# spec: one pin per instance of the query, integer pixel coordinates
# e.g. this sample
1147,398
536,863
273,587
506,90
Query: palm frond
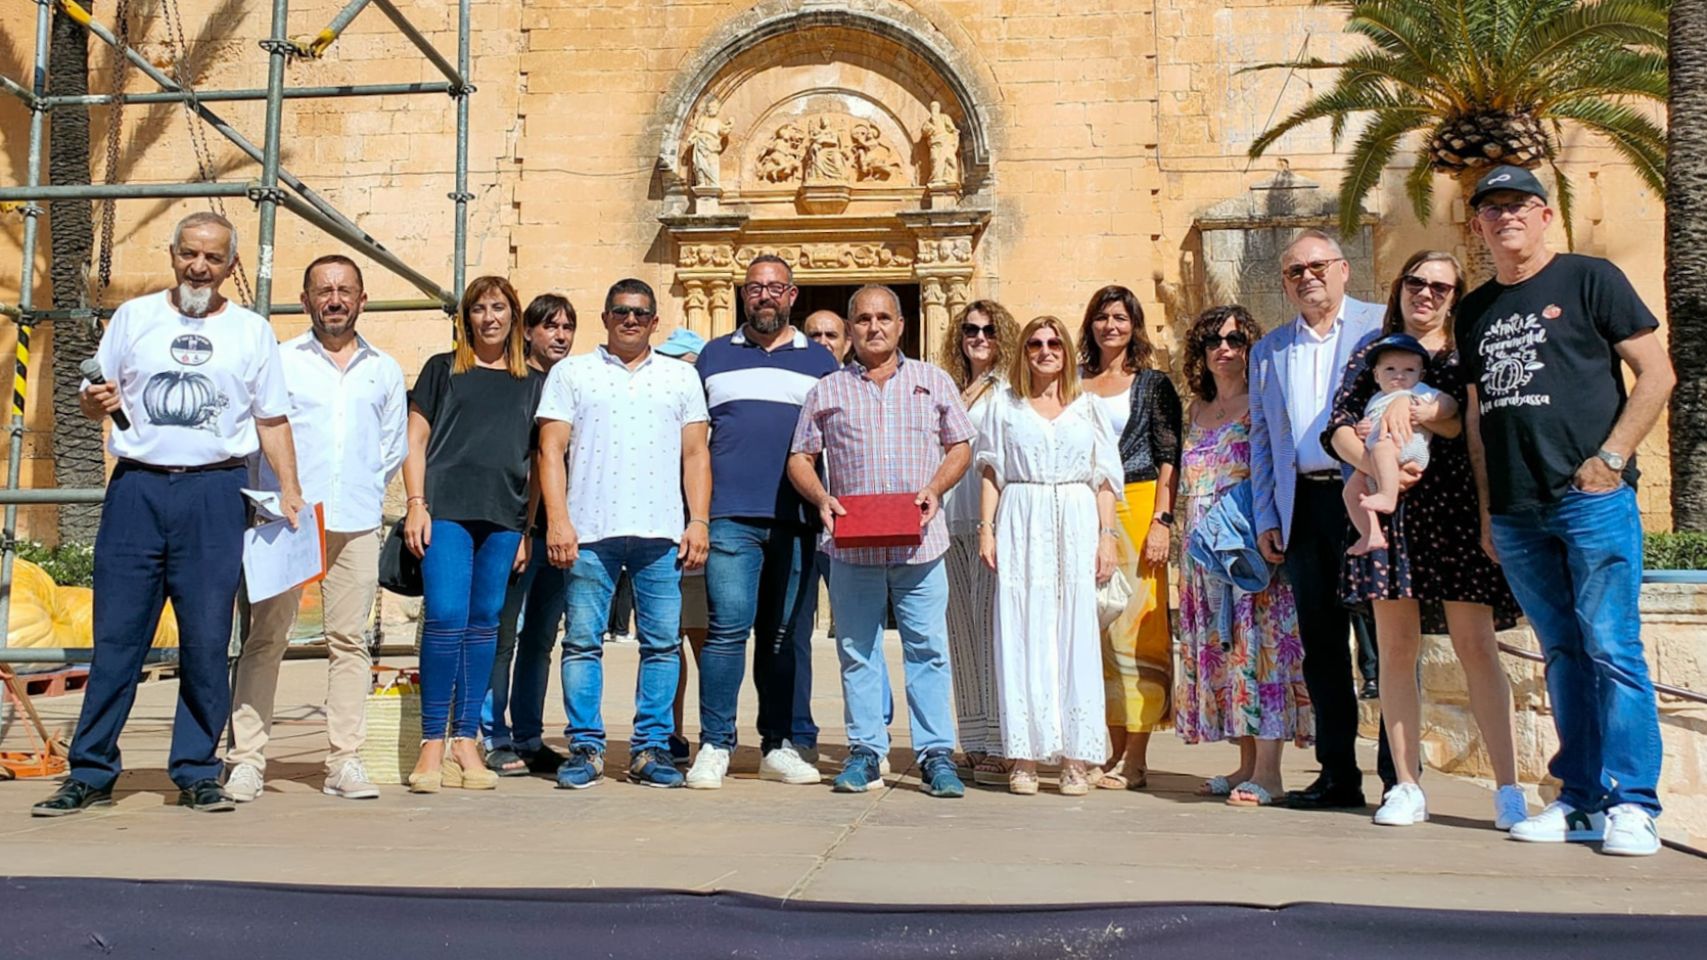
1639,139
1369,157
1419,185
1333,103
1566,195
1641,24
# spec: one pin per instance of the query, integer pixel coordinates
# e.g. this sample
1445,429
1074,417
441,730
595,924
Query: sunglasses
1038,346
1492,212
1319,268
970,330
1236,340
1416,284
638,313
760,289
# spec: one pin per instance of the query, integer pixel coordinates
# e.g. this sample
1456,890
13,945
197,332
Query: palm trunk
1478,263
77,456
1686,262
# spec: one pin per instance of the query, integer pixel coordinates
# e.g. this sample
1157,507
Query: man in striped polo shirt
763,538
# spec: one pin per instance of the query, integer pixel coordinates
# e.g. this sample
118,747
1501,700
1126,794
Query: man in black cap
1553,435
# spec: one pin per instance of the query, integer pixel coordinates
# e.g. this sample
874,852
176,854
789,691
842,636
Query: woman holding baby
1431,574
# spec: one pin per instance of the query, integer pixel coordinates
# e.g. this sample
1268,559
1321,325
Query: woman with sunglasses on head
1432,576
1049,471
1241,663
973,352
470,490
1143,408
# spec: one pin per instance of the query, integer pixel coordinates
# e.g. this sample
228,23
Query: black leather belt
232,463
1323,476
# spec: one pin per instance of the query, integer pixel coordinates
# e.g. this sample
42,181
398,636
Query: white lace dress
1048,652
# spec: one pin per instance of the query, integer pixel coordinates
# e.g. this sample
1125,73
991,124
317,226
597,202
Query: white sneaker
1403,806
883,767
244,782
1511,807
351,782
709,768
1630,832
1560,823
786,765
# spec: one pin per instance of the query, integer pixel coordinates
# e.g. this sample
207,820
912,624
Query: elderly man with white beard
200,380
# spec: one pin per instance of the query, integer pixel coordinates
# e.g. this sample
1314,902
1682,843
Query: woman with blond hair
470,490
1050,475
973,352
1143,408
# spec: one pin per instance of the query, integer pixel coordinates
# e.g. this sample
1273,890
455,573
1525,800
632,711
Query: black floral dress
1434,538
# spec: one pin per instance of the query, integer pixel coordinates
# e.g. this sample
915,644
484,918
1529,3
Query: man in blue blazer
1295,371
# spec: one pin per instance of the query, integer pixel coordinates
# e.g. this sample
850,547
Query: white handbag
1113,598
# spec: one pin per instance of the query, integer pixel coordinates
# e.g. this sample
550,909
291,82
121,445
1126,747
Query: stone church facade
1022,150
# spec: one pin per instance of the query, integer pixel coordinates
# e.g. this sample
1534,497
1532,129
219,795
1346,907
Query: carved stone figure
874,159
781,161
827,161
710,134
942,147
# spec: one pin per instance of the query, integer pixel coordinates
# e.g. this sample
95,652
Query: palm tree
1686,263
1487,82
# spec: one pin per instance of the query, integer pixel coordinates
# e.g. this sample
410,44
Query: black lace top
1152,433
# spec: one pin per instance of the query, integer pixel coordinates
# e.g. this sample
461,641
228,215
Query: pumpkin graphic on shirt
178,398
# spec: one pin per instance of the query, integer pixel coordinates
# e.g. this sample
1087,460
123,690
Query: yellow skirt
1137,649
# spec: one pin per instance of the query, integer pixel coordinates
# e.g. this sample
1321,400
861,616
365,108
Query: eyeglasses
1416,284
970,330
1493,212
638,313
1053,344
1319,268
1236,340
760,289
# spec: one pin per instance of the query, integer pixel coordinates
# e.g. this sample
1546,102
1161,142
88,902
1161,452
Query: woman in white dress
974,351
1050,474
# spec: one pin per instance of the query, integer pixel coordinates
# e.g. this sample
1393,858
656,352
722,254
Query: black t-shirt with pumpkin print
1549,383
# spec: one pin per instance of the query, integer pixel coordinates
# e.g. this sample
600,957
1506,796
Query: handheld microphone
91,370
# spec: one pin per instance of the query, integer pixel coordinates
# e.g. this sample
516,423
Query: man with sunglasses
1301,522
1553,435
763,537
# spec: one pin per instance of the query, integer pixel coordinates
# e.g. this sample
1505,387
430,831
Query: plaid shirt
887,438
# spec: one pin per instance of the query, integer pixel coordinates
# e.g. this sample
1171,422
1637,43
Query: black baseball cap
1507,177
1395,341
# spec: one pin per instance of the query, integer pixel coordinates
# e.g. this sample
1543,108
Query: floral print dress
1250,684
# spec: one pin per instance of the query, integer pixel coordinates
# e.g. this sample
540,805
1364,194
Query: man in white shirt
199,379
634,427
349,417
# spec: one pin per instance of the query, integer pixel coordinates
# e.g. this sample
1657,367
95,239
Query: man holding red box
895,436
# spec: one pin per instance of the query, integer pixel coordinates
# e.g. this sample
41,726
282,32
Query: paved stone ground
891,846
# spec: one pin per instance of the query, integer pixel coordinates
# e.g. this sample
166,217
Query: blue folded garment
1224,544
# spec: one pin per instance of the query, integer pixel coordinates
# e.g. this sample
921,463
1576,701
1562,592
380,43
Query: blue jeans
1576,568
463,575
527,630
657,577
755,583
920,595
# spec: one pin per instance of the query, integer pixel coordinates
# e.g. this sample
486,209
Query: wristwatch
1611,459
1165,518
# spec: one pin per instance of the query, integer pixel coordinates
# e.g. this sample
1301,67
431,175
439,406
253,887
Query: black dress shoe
1371,691
73,796
206,796
1327,794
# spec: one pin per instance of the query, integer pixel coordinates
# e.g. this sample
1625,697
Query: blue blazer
1274,472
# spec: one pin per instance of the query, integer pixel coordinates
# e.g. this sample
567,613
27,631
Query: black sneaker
206,796
73,796
1371,691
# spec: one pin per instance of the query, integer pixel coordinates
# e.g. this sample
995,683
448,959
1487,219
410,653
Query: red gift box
879,520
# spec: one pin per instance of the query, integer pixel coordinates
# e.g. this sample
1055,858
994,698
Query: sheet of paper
268,504
277,558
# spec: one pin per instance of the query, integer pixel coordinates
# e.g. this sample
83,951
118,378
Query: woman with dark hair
470,490
1432,576
974,351
1143,408
1241,663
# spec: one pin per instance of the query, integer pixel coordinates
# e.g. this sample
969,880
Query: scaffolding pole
326,37
124,191
268,195
459,265
257,93
458,78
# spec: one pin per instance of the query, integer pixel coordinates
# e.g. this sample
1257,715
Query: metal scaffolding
275,187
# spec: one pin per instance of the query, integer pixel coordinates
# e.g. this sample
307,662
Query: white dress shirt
350,427
625,441
1312,380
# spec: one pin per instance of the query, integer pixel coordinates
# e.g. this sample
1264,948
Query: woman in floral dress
1247,687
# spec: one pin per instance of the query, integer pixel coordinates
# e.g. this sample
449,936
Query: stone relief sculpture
781,161
710,134
827,160
942,147
874,159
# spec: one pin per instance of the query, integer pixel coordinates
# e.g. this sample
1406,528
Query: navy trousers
176,536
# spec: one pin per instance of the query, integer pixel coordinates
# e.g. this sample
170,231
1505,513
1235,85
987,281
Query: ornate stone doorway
834,297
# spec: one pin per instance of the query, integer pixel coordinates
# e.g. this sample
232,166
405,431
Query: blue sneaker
859,772
652,768
939,776
583,768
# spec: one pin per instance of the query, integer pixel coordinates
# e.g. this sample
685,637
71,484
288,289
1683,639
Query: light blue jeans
657,578
1576,569
920,595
